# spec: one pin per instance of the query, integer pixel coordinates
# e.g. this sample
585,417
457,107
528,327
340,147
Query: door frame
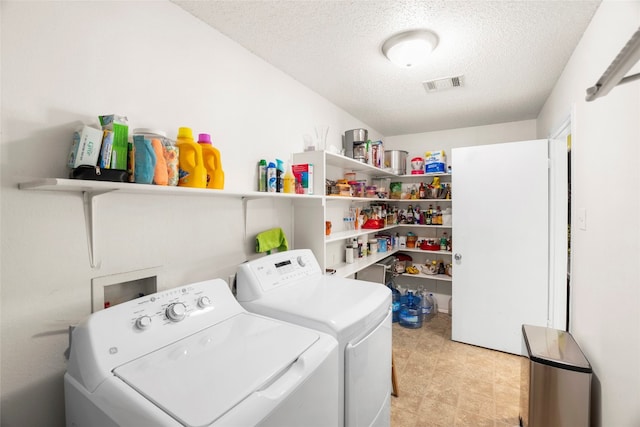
559,205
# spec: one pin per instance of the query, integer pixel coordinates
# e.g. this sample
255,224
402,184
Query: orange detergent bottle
192,172
212,162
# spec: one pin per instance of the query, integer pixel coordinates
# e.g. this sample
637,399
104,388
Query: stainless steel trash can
555,388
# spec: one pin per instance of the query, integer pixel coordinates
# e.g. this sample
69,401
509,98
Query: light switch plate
582,218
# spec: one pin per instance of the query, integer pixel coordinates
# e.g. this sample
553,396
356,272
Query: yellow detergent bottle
192,171
212,162
289,181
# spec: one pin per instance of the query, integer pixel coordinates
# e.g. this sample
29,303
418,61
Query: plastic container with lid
192,170
212,162
145,160
161,146
373,246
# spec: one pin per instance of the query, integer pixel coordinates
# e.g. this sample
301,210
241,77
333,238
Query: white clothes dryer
290,286
192,356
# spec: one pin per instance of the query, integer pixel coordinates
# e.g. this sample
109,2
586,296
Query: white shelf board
422,226
343,269
356,166
355,199
377,199
422,175
422,251
78,185
416,201
342,235
441,277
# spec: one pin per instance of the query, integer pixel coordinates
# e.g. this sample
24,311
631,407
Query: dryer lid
199,378
327,303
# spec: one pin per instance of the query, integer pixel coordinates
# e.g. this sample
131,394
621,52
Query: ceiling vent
444,83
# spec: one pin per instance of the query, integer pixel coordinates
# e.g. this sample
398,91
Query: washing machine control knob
301,262
204,302
176,311
143,322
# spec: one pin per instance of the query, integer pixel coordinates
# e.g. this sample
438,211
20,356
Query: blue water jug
395,305
410,311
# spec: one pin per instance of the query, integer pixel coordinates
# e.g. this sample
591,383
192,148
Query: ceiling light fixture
410,48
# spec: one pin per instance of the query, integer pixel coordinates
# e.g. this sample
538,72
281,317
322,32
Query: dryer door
367,377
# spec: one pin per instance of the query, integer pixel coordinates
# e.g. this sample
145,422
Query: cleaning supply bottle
212,162
271,177
204,140
262,175
192,170
279,175
289,181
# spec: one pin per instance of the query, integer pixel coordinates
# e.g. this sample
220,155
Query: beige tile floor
446,383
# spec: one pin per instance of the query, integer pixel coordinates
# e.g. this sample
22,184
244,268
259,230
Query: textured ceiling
510,52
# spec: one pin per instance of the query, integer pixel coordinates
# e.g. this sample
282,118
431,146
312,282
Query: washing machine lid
327,303
199,378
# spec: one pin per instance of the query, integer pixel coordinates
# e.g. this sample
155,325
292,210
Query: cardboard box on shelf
304,177
86,147
105,152
120,146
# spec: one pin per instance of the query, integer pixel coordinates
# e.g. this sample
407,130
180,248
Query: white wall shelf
422,251
441,277
342,235
343,269
92,189
356,166
378,199
422,226
421,175
101,187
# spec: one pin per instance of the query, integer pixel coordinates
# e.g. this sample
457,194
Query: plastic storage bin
555,388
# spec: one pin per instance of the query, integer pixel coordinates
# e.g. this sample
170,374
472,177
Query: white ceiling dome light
410,48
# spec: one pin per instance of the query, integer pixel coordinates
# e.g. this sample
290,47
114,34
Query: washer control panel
172,306
126,331
280,269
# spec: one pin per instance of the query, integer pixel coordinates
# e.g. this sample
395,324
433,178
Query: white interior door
501,237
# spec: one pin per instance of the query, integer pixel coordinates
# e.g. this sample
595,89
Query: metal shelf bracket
89,203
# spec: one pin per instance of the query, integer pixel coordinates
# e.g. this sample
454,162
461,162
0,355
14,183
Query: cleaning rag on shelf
271,239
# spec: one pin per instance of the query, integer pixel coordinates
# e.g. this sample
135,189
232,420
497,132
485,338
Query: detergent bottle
192,170
212,162
289,181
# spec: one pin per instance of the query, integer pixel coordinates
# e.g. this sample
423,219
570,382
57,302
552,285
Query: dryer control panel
264,274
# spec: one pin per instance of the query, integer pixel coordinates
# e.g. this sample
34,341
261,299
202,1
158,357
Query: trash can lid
555,348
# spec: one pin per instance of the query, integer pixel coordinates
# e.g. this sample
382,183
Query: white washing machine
192,356
290,286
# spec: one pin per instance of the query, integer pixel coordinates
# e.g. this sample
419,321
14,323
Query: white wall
64,63
417,143
605,300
